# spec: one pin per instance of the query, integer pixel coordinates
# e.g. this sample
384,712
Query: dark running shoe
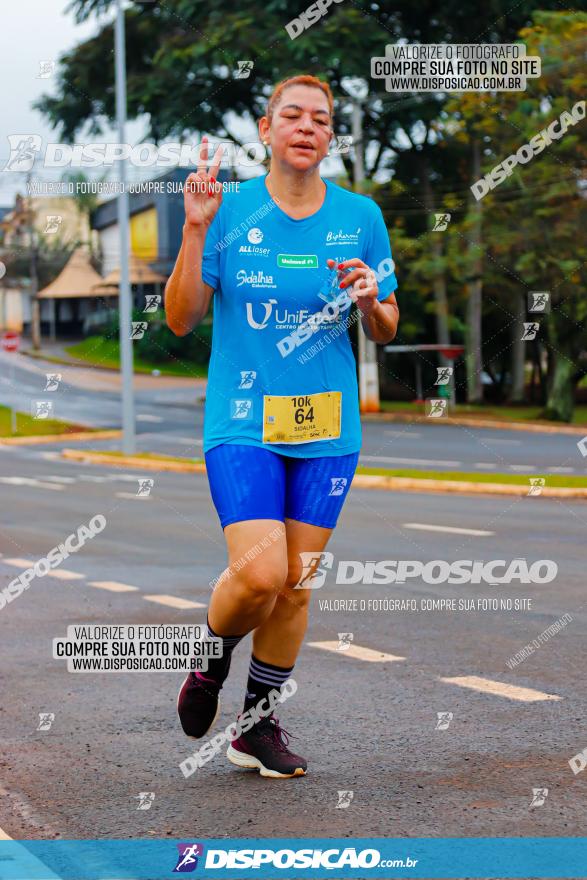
197,704
264,748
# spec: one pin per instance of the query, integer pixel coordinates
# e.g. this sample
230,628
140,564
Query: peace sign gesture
202,194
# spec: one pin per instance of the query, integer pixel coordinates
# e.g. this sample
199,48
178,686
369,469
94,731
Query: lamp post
124,301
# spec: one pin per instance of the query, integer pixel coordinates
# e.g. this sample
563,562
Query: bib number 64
303,410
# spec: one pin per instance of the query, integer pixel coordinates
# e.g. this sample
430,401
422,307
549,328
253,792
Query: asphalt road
367,724
170,420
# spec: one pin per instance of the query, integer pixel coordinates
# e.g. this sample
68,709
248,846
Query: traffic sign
10,340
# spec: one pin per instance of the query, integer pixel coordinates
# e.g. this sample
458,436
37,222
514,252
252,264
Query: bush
159,345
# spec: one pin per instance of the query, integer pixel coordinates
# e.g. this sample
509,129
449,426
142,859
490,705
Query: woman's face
300,128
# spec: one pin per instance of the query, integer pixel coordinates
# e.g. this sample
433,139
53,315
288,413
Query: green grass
26,426
500,413
554,480
100,352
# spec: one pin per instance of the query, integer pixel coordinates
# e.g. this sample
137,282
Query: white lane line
28,481
52,479
357,652
134,496
113,586
145,417
62,574
173,601
92,478
507,442
19,563
393,460
522,467
561,470
484,464
452,530
500,689
403,434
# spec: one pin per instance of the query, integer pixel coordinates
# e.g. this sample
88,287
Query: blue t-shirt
280,326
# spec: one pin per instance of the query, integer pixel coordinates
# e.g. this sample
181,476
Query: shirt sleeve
212,251
378,256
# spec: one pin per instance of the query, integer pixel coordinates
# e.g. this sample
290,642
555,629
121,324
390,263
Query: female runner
284,257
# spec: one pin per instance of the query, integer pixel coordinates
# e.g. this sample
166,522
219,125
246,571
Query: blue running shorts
251,482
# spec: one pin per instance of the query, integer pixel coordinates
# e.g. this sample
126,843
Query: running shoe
197,704
264,748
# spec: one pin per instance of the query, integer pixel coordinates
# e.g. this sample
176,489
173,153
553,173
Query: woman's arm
187,296
381,324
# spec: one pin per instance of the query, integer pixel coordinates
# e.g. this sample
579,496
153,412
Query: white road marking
173,601
28,481
20,563
500,689
522,467
62,574
92,478
113,586
393,460
452,530
52,479
126,478
133,495
484,464
403,434
146,417
561,470
498,440
357,652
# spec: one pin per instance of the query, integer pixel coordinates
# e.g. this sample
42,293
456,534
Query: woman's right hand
202,195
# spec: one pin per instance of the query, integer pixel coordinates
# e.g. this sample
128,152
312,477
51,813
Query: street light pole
124,301
368,370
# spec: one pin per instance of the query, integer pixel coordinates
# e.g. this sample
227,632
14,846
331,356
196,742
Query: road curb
532,427
58,438
360,481
146,464
460,487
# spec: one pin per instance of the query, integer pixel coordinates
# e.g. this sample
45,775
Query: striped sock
218,666
263,678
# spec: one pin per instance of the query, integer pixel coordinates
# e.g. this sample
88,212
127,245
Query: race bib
303,419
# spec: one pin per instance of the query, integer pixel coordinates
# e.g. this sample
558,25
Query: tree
532,220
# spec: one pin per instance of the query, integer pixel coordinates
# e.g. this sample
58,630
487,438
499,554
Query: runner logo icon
188,857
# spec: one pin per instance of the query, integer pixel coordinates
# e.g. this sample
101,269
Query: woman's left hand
364,289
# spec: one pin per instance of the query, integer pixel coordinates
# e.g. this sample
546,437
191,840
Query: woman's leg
279,638
246,592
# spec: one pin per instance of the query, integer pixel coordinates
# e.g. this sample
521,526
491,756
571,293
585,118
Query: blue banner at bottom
462,857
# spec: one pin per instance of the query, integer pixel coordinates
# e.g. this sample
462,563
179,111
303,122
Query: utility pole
124,300
368,369
34,288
